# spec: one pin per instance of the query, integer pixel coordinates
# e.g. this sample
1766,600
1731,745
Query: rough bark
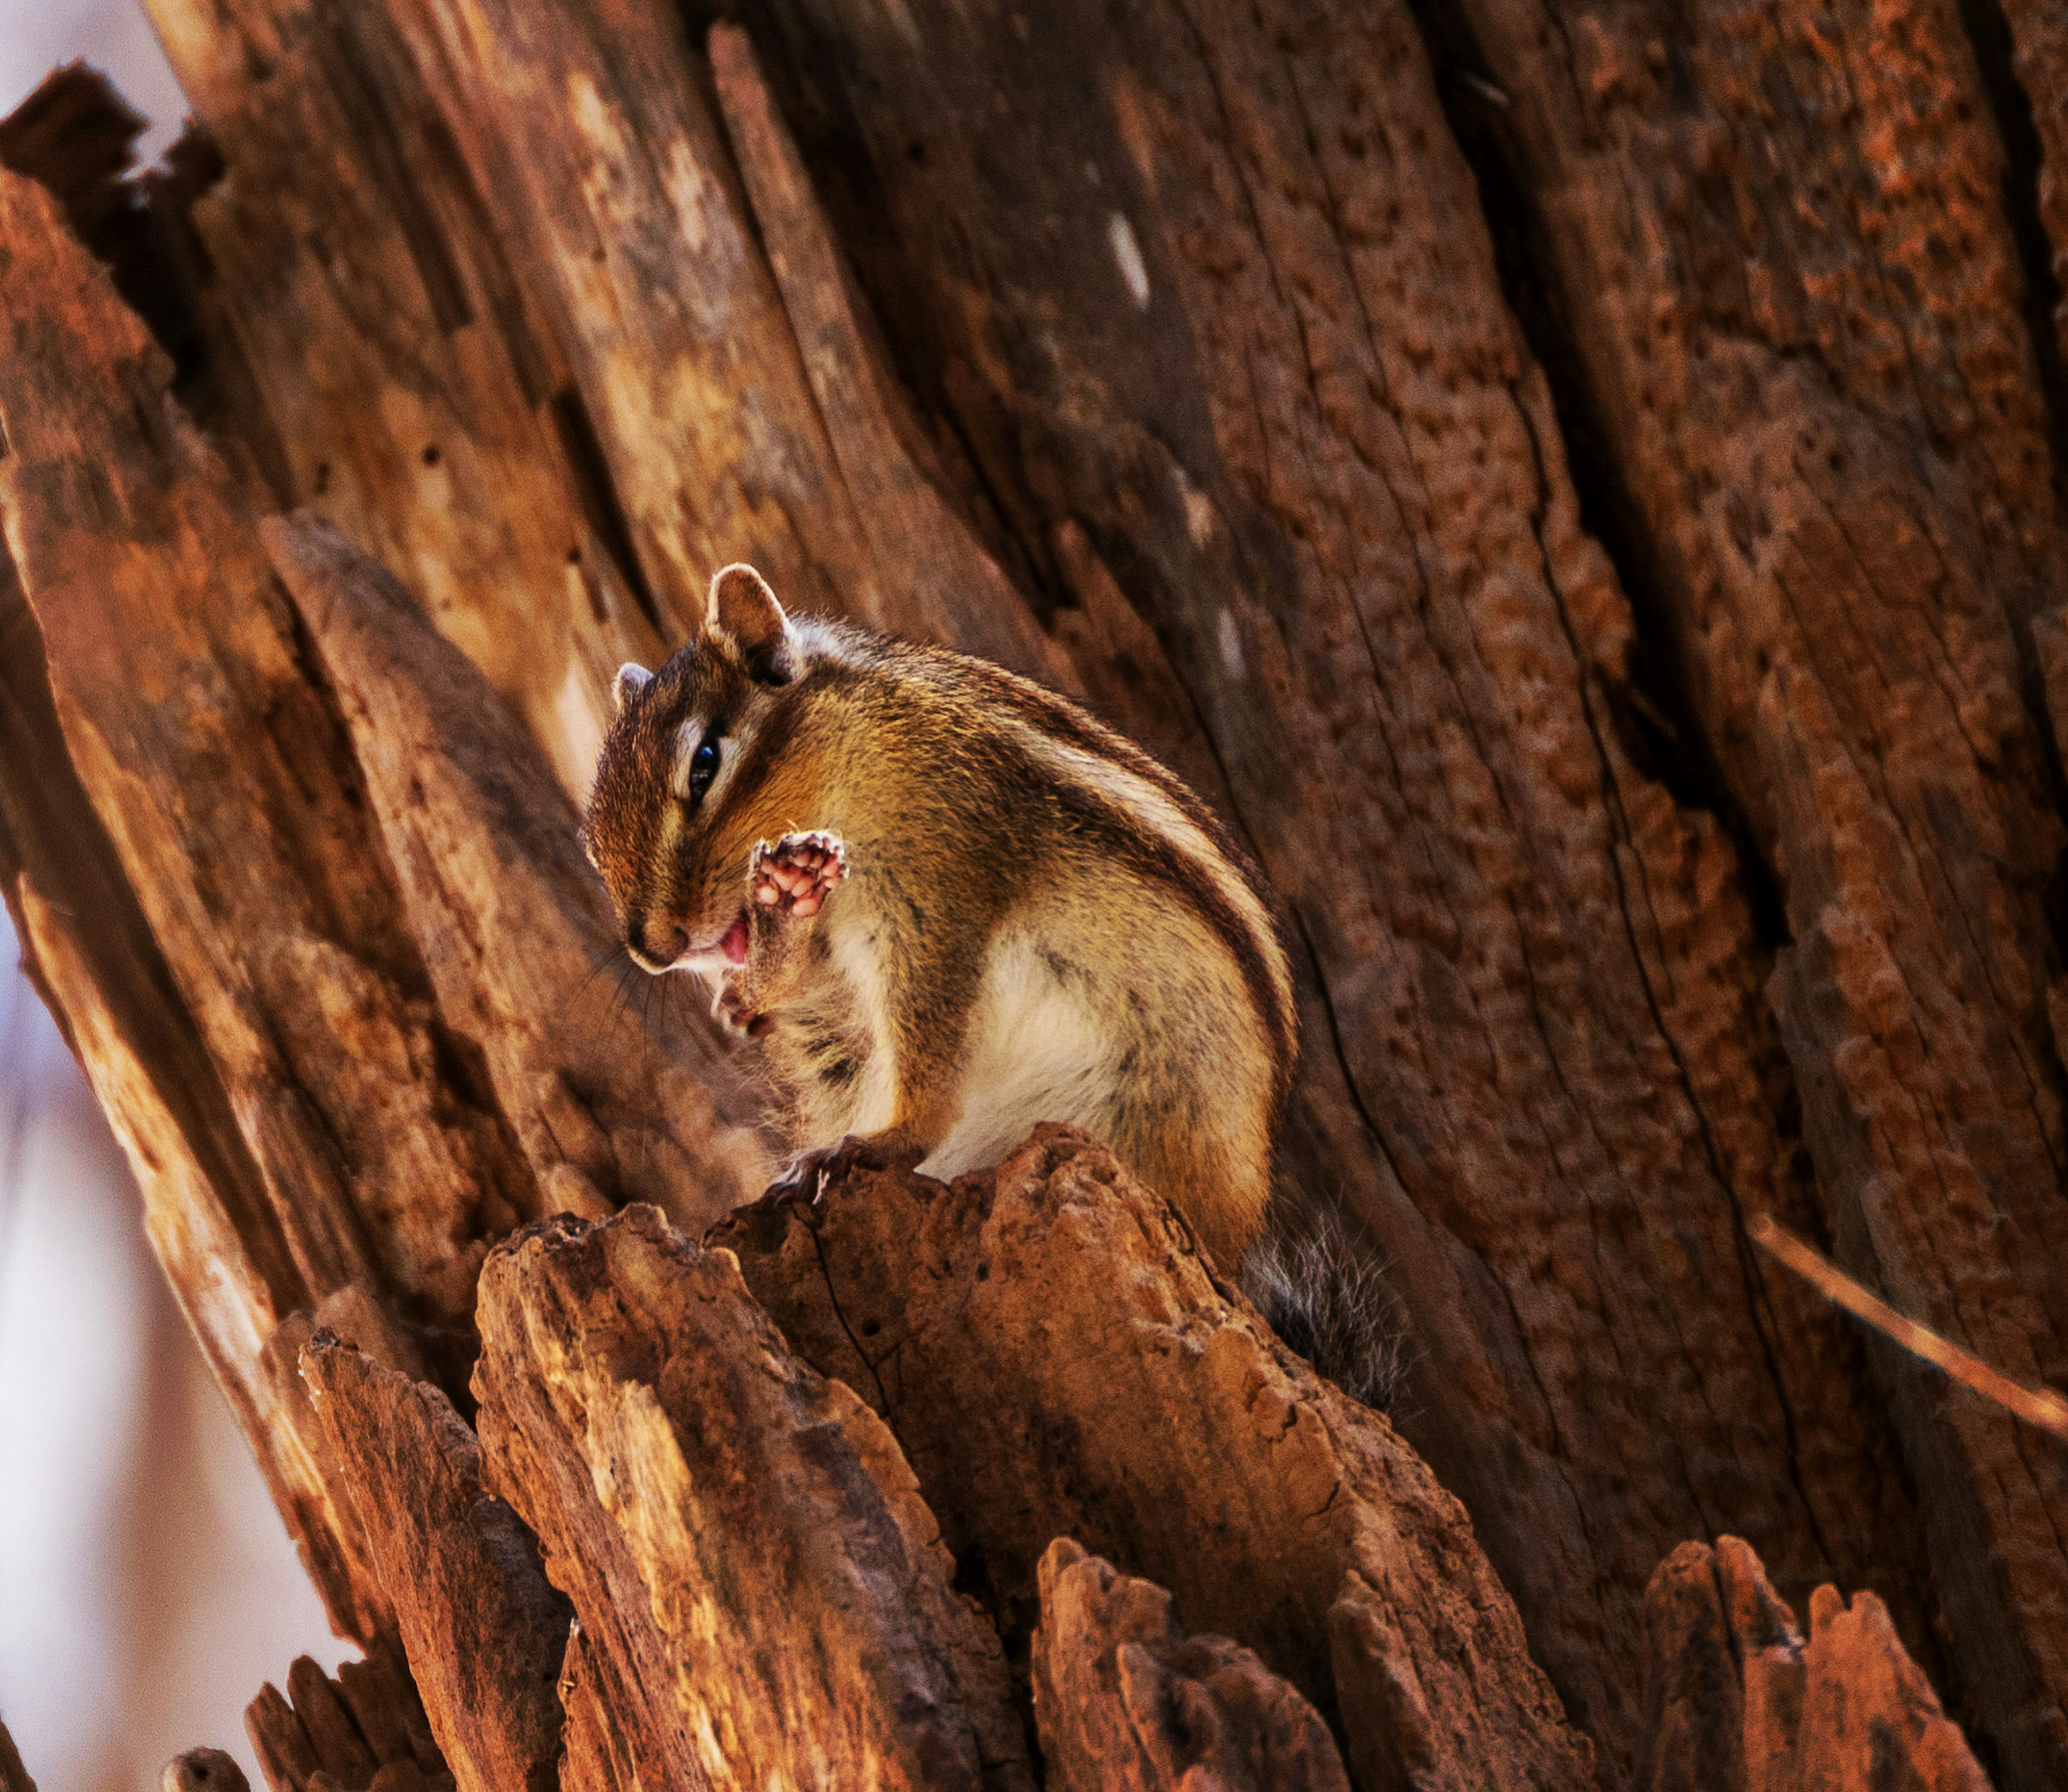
519,940
1181,354
364,1731
1735,1698
762,1594
1057,1357
1795,313
483,1631
373,267
359,1151
1221,293
232,797
1127,1699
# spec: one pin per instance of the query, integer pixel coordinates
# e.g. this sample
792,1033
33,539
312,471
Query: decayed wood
364,1731
76,136
1196,391
230,793
87,943
701,408
690,425
1737,1702
202,1770
483,1631
373,267
598,1755
941,584
1794,307
445,227
518,937
1126,1700
363,1152
762,1594
1057,1357
1221,293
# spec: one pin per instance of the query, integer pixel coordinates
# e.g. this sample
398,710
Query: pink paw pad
795,875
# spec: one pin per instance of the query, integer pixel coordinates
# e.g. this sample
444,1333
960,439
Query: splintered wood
1314,1535
1260,372
517,936
1125,1699
1737,1700
747,1551
464,1575
364,1731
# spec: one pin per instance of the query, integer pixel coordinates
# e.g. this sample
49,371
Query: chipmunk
951,905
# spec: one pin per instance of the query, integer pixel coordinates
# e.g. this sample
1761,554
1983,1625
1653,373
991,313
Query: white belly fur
1036,1052
876,1095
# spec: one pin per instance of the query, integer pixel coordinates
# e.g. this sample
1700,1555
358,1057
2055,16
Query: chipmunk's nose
654,947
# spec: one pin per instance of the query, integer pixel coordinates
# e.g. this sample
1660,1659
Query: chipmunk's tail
1325,1293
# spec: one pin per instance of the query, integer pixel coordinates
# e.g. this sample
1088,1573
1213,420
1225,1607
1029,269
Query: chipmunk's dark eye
703,768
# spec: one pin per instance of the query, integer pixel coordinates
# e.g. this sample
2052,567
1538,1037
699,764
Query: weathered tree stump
1581,488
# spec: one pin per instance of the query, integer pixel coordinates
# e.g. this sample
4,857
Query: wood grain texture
230,793
1127,1699
87,946
1737,1700
362,1731
1057,1358
762,1594
368,1151
1796,315
482,1630
1273,374
1221,295
375,267
610,1103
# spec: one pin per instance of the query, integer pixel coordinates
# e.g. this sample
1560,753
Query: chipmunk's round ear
743,609
632,679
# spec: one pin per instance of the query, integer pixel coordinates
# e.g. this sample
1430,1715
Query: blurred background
147,1586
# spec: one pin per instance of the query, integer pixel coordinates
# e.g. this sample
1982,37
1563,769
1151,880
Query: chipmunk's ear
743,610
632,679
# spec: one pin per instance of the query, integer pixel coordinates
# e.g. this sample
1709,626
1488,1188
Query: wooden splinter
2037,1406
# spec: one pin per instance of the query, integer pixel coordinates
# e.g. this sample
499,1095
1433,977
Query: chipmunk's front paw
730,1009
794,875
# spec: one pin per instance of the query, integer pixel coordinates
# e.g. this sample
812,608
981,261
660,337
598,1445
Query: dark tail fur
1325,1294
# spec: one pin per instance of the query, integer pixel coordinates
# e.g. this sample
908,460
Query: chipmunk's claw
730,1009
810,1172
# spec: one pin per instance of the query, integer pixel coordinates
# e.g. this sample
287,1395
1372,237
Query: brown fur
998,911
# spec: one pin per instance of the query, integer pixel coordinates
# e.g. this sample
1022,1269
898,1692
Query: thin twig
2037,1406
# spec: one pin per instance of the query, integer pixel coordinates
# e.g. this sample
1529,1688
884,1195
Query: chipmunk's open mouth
714,955
733,945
